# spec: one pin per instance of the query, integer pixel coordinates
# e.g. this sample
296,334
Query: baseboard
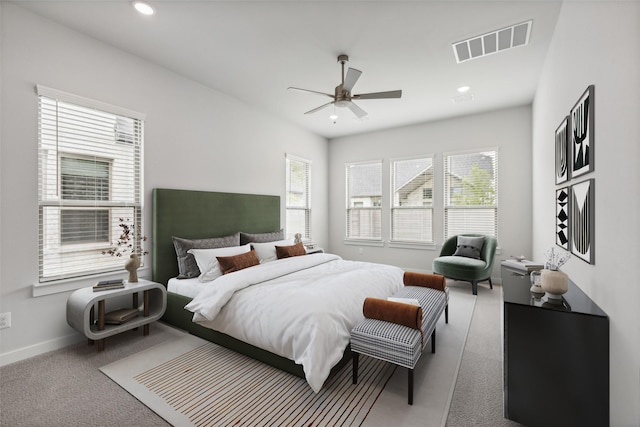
40,348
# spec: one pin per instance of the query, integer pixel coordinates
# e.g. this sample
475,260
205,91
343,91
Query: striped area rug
212,386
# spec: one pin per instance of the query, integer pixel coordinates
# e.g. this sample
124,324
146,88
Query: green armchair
464,268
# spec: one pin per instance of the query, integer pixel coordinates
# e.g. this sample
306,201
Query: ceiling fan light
463,89
143,8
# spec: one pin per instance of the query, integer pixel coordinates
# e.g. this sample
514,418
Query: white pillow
208,263
267,251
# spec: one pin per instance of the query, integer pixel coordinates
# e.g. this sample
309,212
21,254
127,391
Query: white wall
599,43
195,138
509,130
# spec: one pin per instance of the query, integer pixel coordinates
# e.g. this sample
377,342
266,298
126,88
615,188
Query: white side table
81,312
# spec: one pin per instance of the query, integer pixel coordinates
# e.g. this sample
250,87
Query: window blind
471,193
412,200
298,190
364,200
89,184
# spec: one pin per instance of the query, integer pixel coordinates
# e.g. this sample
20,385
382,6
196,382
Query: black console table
556,357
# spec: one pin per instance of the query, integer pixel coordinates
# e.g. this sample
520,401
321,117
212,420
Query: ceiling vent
493,42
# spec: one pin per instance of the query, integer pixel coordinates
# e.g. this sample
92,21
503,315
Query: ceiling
254,50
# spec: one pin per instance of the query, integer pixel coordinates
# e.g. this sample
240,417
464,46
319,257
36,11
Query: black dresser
556,357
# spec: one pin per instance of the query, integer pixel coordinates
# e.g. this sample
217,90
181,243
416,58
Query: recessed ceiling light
463,89
143,8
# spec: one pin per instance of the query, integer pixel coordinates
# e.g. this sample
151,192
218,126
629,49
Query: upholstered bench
397,332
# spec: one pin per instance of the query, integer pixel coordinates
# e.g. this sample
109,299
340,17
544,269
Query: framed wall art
562,151
562,218
582,120
582,212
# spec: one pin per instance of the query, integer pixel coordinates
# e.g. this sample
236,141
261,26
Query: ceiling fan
342,96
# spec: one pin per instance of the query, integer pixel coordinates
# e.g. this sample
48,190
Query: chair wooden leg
490,284
410,385
355,367
474,287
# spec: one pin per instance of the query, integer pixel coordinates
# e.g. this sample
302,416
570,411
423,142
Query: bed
198,214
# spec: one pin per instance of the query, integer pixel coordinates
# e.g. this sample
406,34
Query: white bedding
302,308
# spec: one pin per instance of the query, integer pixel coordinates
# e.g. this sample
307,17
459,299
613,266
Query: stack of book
523,265
105,285
120,316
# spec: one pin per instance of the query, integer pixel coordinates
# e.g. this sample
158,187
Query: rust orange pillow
229,264
289,251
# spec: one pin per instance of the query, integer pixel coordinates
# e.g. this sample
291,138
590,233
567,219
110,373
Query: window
89,182
471,193
298,175
364,200
412,200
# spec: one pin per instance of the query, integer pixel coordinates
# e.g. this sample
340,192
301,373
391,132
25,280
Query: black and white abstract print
562,218
582,135
562,151
582,220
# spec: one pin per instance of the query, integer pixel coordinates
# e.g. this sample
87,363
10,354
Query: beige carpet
190,382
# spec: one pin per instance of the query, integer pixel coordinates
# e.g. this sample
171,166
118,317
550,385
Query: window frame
428,209
377,202
306,208
61,118
448,206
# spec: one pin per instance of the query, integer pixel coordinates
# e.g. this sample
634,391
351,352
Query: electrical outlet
360,251
5,320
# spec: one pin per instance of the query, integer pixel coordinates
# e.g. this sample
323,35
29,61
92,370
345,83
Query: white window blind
298,173
471,193
412,200
364,200
89,183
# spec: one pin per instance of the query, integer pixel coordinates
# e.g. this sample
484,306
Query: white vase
132,267
555,283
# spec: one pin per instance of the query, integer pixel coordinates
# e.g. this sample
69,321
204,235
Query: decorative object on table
524,265
582,133
535,278
120,316
583,220
105,285
297,238
130,240
562,218
562,151
554,282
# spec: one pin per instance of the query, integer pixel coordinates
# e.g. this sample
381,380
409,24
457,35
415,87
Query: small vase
132,267
555,283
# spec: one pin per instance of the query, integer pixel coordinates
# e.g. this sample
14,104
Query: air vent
493,42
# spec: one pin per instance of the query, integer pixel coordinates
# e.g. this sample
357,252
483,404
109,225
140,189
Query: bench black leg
355,367
446,313
433,341
410,382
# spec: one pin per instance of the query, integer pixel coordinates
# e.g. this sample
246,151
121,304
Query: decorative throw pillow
187,266
208,262
267,251
289,251
229,264
261,237
469,247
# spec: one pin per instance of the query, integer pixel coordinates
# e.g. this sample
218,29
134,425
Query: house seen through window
364,200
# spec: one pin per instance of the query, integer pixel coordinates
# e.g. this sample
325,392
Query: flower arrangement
556,258
129,241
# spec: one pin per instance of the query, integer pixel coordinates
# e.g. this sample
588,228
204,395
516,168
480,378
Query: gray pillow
469,247
261,237
187,267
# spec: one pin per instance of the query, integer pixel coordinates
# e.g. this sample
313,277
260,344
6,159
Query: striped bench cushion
395,343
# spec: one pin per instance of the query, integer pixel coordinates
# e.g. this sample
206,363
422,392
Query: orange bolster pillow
434,281
395,312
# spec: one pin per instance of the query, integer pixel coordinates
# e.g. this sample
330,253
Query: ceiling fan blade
379,95
319,108
312,91
350,79
357,110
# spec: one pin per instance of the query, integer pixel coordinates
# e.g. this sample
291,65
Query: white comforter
302,308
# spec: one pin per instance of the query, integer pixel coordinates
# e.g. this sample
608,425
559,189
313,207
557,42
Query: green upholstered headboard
201,214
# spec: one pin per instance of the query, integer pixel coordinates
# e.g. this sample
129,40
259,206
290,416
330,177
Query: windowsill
68,285
413,245
356,242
